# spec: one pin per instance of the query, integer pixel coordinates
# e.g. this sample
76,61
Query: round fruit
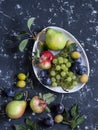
48,121
82,69
15,109
58,118
79,60
38,105
84,78
21,84
75,55
46,81
43,73
21,76
55,40
59,108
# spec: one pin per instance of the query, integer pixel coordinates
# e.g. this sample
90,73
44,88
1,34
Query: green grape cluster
60,73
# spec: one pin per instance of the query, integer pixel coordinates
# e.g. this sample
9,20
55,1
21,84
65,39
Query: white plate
69,36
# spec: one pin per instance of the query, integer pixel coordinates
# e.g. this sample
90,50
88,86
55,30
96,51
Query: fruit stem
35,37
26,95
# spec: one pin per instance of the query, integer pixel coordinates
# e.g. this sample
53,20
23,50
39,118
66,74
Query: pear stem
35,37
26,95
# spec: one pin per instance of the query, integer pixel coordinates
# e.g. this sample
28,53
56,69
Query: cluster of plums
59,109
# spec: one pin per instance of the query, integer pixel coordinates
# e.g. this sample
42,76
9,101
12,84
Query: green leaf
49,97
40,95
21,34
47,109
74,124
65,116
23,44
18,95
77,122
30,22
72,47
31,125
19,127
74,110
80,120
42,46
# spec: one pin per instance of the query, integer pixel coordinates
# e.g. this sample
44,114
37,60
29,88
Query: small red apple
37,104
46,60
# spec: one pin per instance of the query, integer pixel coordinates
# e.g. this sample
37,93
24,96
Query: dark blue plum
78,68
48,121
46,81
79,60
43,73
60,108
78,49
8,92
82,69
75,67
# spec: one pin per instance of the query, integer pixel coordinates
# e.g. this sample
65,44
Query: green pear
55,40
15,109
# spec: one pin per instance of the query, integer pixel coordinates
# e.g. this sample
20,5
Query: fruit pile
64,69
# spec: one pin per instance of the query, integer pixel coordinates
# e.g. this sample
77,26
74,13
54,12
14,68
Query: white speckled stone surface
79,17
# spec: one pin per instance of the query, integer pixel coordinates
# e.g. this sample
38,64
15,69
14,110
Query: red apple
38,105
46,60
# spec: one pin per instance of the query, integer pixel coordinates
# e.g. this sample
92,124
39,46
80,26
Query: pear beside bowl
69,36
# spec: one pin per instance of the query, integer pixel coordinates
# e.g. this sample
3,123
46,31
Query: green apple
15,109
55,40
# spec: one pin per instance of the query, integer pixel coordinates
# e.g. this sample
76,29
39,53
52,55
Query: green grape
74,77
54,84
65,60
69,79
52,73
65,69
68,64
57,67
70,74
63,73
54,61
53,79
60,60
63,66
58,76
74,83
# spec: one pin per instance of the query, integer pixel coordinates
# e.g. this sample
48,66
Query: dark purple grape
79,60
43,73
78,68
82,69
60,108
78,49
48,121
75,67
46,81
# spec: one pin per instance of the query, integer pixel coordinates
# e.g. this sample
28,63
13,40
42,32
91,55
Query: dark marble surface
80,17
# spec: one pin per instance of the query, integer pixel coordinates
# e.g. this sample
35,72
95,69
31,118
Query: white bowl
85,62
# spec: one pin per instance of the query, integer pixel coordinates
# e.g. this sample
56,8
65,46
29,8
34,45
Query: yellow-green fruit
68,43
15,109
55,40
21,76
58,118
75,55
21,84
84,78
